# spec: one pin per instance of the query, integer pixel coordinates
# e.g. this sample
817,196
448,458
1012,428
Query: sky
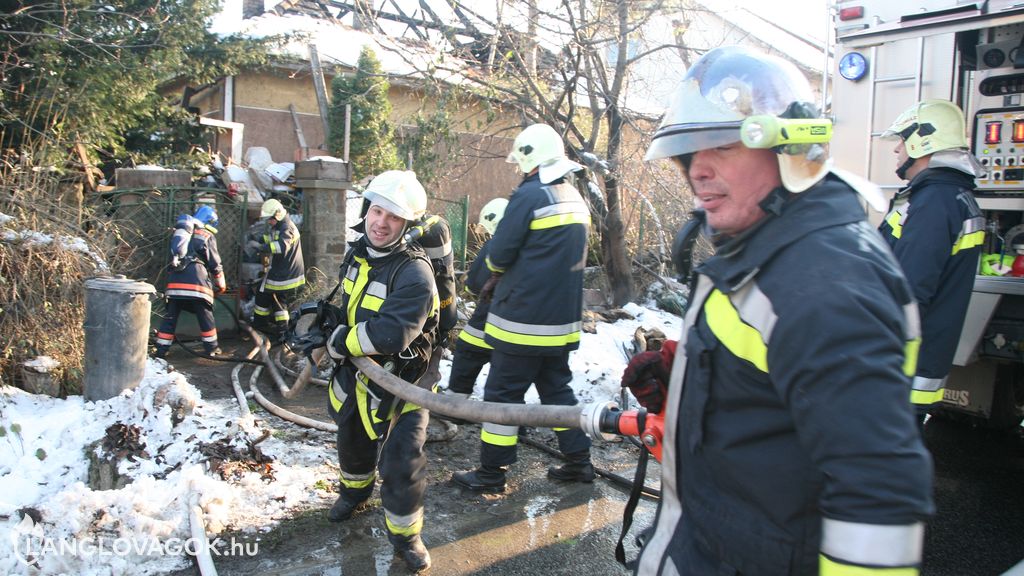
144,527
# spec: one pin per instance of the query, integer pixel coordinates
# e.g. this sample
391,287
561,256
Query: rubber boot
578,468
490,479
343,509
411,550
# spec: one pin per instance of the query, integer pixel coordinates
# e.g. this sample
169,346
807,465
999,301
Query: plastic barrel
117,312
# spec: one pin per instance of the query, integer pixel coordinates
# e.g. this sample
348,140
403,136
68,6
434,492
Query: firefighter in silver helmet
936,230
790,447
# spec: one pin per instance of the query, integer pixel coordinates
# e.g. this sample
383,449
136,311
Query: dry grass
45,257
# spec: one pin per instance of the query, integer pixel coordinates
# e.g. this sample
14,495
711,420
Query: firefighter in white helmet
936,231
391,308
471,351
536,260
287,273
789,444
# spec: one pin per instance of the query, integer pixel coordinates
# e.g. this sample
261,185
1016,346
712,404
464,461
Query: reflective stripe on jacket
936,231
790,446
540,247
287,271
385,322
473,332
197,279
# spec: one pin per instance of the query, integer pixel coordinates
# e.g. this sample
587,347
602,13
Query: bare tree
567,63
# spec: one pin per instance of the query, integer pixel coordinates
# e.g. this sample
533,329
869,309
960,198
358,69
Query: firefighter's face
730,182
901,159
382,227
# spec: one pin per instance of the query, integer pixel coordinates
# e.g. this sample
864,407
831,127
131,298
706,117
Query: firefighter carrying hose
790,447
936,231
391,310
536,259
286,275
193,275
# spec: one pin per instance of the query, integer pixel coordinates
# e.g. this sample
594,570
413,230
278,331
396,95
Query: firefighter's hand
222,288
487,292
647,376
336,343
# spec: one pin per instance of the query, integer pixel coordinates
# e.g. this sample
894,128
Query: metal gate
456,212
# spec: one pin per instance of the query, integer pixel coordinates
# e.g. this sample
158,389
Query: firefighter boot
343,509
578,468
490,479
411,550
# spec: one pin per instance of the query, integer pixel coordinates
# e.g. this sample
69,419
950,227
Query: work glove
487,292
647,376
336,343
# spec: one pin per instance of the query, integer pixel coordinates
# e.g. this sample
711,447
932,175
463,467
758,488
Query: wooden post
321,92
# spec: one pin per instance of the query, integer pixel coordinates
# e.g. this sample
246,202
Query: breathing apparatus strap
634,496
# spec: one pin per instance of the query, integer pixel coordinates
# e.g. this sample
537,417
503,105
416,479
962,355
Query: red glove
487,292
647,376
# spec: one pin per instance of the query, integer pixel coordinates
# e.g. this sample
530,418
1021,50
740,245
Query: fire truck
888,55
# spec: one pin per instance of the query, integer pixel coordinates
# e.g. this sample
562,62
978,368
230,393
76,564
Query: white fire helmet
398,192
538,145
273,209
491,214
724,87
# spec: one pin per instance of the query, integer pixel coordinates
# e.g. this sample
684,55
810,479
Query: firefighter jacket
789,441
936,231
199,272
287,270
473,332
540,247
391,308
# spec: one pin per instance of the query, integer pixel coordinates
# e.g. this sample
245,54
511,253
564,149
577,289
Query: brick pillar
324,187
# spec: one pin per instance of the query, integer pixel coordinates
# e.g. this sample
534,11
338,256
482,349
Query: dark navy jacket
540,246
936,231
199,272
789,436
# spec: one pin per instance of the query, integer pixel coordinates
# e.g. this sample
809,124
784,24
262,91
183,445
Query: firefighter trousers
270,315
402,463
204,314
508,380
466,366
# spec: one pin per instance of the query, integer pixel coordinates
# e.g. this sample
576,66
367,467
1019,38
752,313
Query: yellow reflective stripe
829,567
925,397
352,344
412,530
358,287
498,439
530,339
492,267
260,311
473,339
893,220
372,302
357,481
910,351
285,284
364,411
559,429
333,396
740,338
557,220
969,241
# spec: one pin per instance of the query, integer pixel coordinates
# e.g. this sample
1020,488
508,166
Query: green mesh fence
456,212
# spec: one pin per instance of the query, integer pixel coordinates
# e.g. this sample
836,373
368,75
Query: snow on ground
143,528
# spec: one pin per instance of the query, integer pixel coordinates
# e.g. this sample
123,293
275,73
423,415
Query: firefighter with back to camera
790,446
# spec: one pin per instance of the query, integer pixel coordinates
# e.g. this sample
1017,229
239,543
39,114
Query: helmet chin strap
902,170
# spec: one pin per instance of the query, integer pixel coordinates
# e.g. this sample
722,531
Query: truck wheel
1007,398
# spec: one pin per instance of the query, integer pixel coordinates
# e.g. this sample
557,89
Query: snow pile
55,523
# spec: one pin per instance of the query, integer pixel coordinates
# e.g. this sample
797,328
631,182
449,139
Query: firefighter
391,307
471,351
194,274
936,231
536,260
789,444
286,275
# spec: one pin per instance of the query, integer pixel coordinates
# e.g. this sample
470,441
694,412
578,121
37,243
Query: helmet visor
679,139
